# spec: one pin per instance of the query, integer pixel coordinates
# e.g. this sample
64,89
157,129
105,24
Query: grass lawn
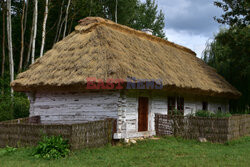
164,152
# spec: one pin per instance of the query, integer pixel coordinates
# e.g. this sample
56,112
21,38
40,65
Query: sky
190,23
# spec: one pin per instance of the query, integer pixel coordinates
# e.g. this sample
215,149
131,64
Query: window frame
180,104
205,105
171,104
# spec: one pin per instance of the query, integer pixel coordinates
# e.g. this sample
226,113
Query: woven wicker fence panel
213,129
91,134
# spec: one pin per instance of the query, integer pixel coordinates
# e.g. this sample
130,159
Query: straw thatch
103,49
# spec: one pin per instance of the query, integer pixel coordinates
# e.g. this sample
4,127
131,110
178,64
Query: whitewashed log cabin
56,83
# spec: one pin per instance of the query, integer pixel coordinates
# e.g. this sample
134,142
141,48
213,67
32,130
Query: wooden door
143,114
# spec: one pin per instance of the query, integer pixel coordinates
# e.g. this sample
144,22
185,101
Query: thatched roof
103,49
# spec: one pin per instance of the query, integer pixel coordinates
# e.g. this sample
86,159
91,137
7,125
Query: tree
237,12
10,49
116,4
35,31
149,18
3,38
3,45
59,22
22,37
66,19
44,27
228,53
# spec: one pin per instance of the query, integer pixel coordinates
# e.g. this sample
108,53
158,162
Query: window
171,105
180,105
219,108
204,105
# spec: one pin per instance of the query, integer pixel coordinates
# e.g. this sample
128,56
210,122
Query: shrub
203,113
53,147
218,114
176,112
6,112
18,107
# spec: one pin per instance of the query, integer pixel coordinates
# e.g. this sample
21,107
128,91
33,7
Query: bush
52,148
218,114
176,112
6,111
203,113
18,107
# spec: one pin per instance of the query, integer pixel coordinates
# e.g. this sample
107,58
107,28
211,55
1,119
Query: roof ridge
89,23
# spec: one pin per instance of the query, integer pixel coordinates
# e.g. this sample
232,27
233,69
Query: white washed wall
128,112
128,116
83,107
74,107
191,105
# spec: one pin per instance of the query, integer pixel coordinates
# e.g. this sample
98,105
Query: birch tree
3,44
22,38
66,19
35,31
3,40
59,22
116,4
9,35
44,27
30,45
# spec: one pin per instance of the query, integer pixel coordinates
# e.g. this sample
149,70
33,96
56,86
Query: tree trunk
9,34
24,30
22,39
44,28
25,17
59,21
116,4
30,45
35,32
66,19
60,29
3,44
31,37
90,7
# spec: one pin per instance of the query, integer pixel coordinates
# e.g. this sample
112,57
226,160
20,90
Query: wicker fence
28,132
213,129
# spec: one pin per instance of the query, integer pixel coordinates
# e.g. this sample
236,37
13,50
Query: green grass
164,152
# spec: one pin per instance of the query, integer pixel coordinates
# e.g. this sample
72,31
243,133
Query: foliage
218,114
228,53
6,110
54,147
204,113
237,12
176,112
18,107
167,151
8,150
148,17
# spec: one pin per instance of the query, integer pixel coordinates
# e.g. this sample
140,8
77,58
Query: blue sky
190,22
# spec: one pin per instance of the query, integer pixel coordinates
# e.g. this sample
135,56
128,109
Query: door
143,114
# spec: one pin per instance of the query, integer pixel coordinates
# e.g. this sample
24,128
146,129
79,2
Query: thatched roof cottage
101,50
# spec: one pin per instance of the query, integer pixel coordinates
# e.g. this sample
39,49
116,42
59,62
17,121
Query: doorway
143,114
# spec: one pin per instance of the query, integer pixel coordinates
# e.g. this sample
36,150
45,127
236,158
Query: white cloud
190,23
194,42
